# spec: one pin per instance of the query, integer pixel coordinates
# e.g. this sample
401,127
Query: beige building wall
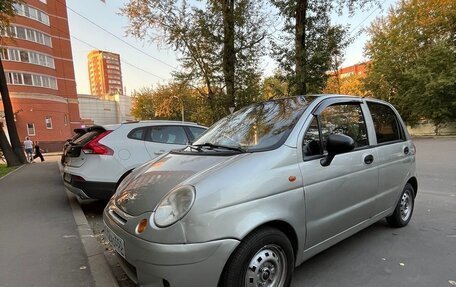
110,110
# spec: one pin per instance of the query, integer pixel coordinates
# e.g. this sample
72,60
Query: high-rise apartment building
38,63
105,73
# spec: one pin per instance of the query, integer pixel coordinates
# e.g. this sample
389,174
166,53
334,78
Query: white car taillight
95,147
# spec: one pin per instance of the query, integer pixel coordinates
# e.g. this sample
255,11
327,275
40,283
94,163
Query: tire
404,208
264,256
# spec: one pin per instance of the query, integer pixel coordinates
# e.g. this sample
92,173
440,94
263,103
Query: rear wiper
211,145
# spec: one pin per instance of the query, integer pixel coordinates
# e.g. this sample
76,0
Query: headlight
174,206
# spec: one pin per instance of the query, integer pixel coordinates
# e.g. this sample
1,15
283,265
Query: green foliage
165,102
413,52
4,169
275,86
317,41
7,11
218,49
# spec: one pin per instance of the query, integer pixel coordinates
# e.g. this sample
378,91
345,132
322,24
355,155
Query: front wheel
404,208
265,258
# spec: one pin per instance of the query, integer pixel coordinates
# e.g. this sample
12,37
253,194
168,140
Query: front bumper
173,265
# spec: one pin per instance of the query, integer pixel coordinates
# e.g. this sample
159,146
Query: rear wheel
265,258
404,208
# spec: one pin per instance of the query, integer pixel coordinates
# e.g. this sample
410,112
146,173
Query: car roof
161,122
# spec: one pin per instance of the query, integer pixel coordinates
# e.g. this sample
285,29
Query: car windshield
258,127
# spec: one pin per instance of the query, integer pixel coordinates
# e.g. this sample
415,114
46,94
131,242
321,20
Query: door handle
368,159
159,152
406,150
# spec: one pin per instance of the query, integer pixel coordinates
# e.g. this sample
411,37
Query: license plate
67,177
116,242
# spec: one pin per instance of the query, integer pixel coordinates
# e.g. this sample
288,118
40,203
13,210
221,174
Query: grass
4,170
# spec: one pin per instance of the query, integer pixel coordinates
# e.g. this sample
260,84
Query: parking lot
421,254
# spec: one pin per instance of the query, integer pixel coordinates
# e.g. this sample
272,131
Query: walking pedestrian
28,146
38,152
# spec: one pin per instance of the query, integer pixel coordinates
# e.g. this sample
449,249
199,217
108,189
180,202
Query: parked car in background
96,162
77,134
263,190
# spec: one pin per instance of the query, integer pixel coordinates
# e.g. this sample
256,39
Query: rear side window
167,134
196,132
87,137
386,124
137,134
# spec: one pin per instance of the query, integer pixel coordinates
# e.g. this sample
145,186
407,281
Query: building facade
105,73
112,109
357,69
36,54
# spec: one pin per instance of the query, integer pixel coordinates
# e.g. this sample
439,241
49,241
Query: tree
352,85
218,44
7,11
166,102
317,42
275,87
413,52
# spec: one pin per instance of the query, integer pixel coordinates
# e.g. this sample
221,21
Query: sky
143,63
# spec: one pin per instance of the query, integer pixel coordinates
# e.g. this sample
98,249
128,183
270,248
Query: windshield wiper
213,146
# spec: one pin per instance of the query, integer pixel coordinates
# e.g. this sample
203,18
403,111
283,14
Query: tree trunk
9,117
10,156
300,47
229,56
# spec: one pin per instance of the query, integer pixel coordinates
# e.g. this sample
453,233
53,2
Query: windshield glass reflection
257,127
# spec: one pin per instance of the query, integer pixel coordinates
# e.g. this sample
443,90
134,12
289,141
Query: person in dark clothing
38,152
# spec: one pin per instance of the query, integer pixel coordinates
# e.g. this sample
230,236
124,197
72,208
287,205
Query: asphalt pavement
39,240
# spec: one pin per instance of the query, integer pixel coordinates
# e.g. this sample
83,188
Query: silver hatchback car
263,190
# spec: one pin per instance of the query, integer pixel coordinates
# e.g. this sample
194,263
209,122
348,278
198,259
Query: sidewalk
39,240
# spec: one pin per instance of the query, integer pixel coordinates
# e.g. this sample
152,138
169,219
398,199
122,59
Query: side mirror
337,144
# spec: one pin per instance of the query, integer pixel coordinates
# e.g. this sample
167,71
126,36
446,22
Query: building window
32,13
112,67
25,56
27,79
48,122
65,119
27,34
31,129
44,1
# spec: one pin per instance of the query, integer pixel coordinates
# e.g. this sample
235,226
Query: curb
13,171
99,267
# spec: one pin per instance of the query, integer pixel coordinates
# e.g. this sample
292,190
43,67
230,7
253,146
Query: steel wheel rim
267,268
406,206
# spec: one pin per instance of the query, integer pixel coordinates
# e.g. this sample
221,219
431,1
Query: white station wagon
261,191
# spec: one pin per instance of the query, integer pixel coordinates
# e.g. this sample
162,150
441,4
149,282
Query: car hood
150,183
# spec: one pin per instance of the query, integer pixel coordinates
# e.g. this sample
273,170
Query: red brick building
105,73
38,63
357,69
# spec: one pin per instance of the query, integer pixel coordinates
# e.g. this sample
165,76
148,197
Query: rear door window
386,124
167,135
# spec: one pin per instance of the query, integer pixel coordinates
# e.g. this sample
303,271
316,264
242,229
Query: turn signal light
141,226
